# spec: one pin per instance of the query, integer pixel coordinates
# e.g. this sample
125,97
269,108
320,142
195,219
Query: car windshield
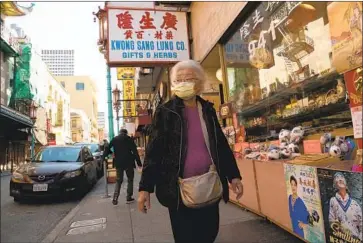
58,154
92,146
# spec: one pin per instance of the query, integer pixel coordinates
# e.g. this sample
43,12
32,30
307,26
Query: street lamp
33,116
117,105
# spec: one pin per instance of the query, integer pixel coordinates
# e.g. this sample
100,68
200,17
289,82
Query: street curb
52,236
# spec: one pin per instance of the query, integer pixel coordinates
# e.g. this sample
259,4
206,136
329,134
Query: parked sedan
97,154
54,171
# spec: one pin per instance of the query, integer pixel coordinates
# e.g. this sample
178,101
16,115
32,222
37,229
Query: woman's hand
143,202
302,225
237,187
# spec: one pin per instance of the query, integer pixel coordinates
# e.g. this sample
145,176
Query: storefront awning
14,119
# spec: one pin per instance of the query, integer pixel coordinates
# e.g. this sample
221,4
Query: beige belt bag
201,191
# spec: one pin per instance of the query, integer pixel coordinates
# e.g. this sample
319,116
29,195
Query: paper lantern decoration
300,17
262,58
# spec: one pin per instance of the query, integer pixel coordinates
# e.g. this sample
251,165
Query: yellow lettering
355,98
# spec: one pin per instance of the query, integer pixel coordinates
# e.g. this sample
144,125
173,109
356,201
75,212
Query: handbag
203,190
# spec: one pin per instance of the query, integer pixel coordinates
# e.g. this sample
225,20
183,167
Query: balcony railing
9,38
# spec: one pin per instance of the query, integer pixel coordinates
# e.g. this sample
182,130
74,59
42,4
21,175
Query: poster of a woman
341,194
304,202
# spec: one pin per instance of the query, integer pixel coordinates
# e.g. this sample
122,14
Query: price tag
357,121
312,147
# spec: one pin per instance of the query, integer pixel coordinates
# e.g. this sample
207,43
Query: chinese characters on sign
147,36
129,94
260,30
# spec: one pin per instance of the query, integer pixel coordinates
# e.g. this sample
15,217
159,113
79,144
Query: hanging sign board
139,37
125,73
129,94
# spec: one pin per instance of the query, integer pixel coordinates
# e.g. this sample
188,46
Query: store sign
354,83
59,121
305,207
341,200
125,73
147,36
345,21
129,94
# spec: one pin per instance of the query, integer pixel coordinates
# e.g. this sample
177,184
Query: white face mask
184,90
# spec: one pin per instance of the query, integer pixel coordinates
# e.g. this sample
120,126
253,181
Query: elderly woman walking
188,160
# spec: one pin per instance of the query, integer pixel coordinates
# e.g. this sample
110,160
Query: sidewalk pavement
95,219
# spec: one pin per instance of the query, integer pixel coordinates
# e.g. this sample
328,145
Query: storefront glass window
280,65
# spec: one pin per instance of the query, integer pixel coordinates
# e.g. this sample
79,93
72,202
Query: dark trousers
195,225
119,179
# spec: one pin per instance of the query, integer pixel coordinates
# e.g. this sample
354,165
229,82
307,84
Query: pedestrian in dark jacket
186,140
125,152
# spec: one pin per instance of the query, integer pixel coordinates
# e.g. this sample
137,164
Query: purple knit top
197,160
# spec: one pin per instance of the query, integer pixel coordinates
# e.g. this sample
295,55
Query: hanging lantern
116,96
33,111
300,17
262,58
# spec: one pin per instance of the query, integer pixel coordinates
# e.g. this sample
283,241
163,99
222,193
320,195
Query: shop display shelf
285,94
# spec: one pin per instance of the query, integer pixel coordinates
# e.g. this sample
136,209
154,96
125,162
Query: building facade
58,112
81,126
83,95
60,62
101,119
15,121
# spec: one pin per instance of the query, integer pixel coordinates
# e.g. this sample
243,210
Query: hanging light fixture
116,96
33,111
219,75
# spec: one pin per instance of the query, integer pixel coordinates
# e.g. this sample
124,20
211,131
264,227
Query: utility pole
110,126
109,102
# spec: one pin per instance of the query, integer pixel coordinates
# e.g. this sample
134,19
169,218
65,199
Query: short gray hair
188,64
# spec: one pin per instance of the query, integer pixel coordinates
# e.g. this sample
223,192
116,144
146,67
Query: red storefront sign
354,83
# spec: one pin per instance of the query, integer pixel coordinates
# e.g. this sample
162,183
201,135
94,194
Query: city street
52,221
30,221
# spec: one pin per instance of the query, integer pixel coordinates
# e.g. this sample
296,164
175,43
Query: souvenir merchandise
325,138
273,154
283,145
247,150
335,151
293,148
284,136
253,155
338,140
341,90
285,153
296,135
344,147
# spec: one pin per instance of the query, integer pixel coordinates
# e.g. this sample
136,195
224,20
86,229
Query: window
74,137
79,86
74,123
